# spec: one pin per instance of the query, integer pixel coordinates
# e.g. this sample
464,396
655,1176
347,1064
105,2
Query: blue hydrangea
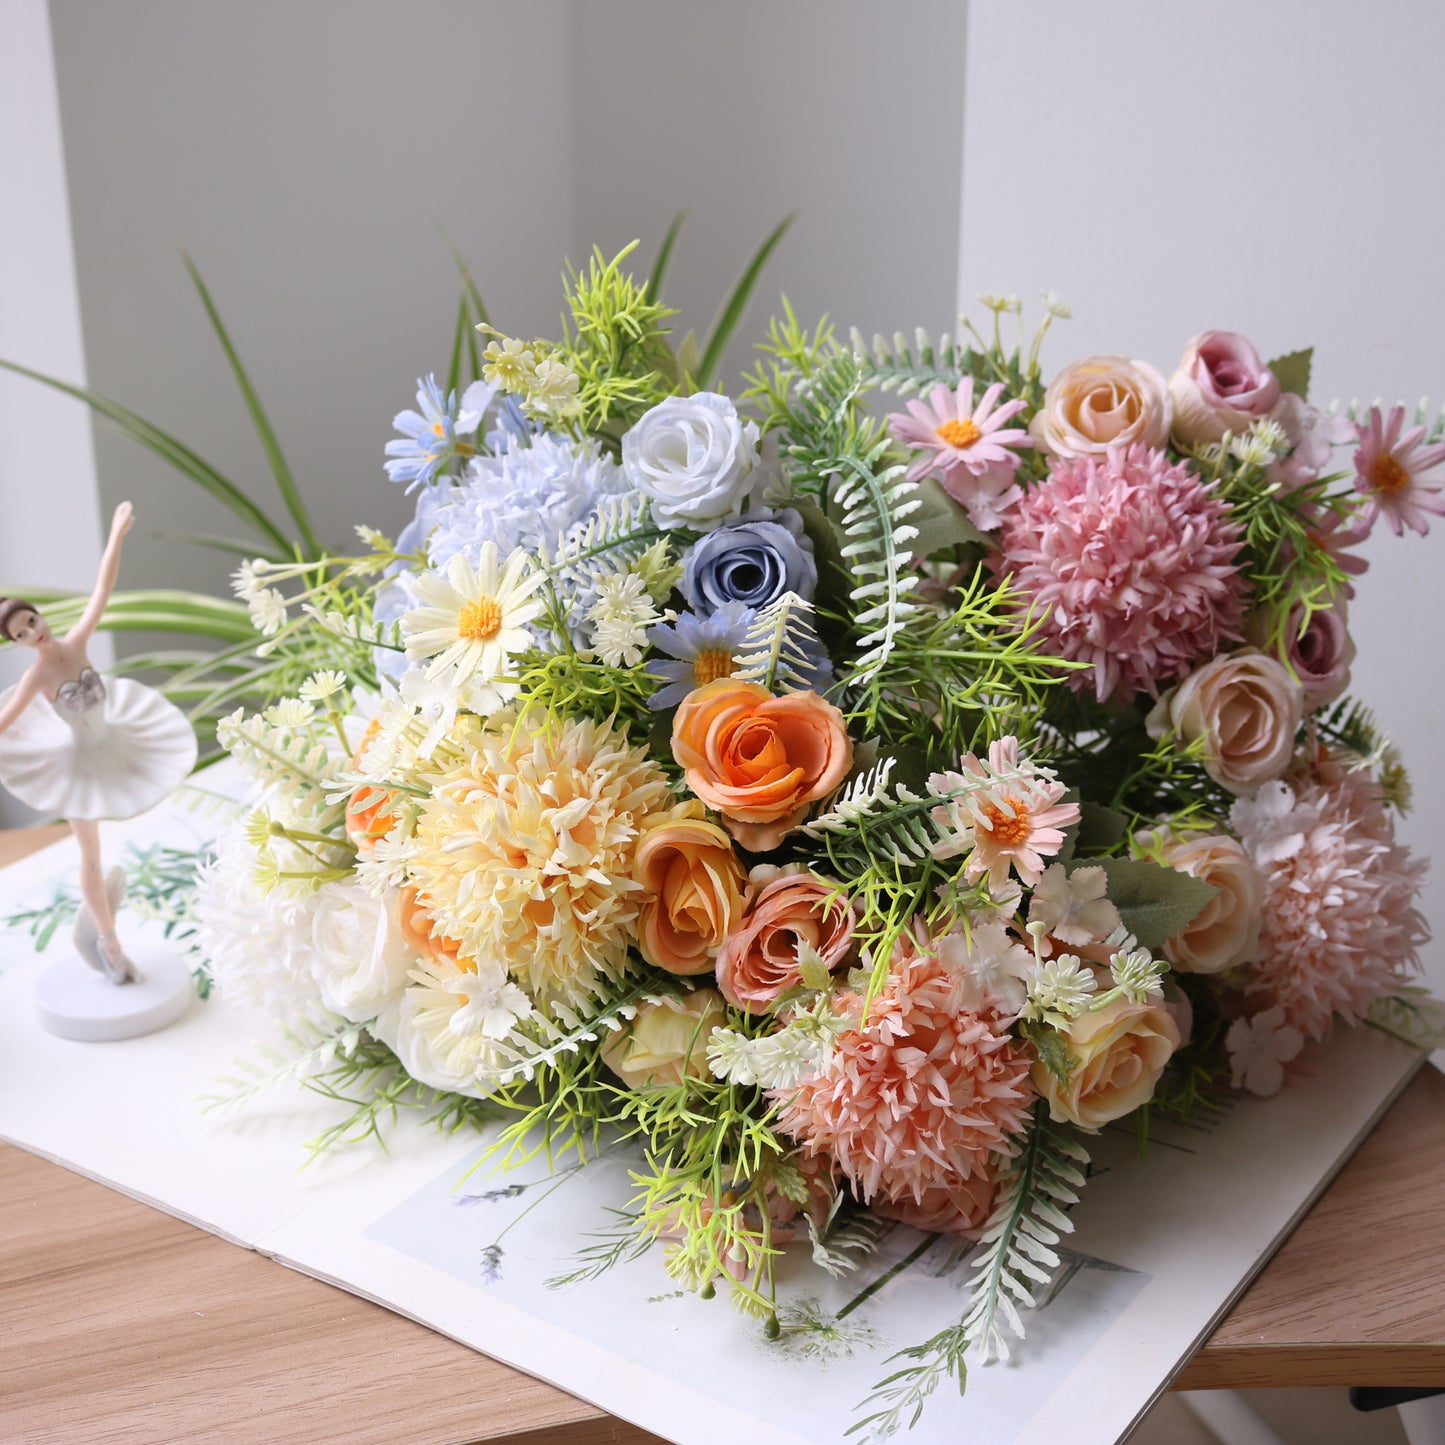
431,436
527,496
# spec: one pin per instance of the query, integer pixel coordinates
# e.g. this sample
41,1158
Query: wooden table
121,1324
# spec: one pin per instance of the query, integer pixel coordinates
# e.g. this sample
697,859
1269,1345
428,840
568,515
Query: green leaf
941,522
664,256
1293,371
175,452
285,482
1412,1016
1052,1048
732,311
1154,902
1100,829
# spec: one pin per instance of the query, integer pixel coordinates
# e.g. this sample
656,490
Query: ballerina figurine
83,748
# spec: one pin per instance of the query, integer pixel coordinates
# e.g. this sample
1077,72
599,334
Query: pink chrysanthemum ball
1134,559
1340,924
918,1098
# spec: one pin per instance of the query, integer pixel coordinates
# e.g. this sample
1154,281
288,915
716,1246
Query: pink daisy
968,448
1340,924
1397,473
1132,562
918,1097
1003,813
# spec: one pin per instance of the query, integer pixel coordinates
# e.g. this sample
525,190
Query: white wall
49,529
303,150
1269,169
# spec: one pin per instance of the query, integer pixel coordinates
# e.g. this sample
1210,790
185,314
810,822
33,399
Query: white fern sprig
875,504
1018,1240
867,794
774,650
289,758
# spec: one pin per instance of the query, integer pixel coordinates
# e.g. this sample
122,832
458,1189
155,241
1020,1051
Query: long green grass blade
454,371
469,285
664,257
152,611
169,449
732,311
223,544
280,469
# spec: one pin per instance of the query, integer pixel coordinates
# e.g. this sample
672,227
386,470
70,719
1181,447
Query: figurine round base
73,1001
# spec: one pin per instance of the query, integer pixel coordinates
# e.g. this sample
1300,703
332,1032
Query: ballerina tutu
103,749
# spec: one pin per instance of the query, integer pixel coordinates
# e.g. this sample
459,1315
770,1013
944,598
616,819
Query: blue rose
753,561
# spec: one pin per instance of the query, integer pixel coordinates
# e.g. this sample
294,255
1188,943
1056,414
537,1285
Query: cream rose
1246,707
1103,401
1118,1054
360,955
667,1040
1226,931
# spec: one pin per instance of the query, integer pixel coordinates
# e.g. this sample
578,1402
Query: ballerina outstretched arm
121,523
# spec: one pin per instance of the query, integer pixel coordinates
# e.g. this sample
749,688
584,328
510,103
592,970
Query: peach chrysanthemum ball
1340,924
526,850
1134,560
921,1095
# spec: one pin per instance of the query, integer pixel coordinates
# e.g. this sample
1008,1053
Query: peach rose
760,760
960,1208
1226,931
417,923
369,815
694,886
1246,707
1118,1053
1220,386
786,909
666,1040
1103,401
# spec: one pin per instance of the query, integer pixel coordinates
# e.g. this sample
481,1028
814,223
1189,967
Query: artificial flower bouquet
855,809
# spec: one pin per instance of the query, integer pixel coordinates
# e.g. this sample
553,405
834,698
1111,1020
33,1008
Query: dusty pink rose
1220,386
1320,656
1246,707
785,913
959,1208
1103,401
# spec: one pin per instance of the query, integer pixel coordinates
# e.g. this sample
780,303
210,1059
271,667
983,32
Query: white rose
360,956
694,459
1246,707
416,1026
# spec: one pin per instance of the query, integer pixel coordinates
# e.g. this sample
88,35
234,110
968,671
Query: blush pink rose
1225,932
1220,386
959,1208
786,911
1246,707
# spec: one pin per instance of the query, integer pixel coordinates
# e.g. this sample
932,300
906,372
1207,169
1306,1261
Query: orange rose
760,760
369,814
694,886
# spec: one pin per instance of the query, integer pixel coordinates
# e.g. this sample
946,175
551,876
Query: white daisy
473,619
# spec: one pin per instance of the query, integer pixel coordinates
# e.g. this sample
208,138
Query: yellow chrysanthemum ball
525,851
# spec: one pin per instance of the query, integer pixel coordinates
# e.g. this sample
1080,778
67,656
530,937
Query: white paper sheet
1163,1242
